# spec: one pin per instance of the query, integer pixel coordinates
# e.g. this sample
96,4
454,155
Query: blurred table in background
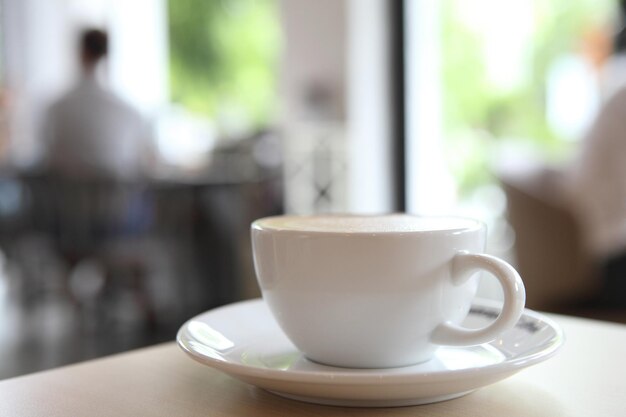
120,264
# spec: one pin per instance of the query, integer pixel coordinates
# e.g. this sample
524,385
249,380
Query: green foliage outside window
223,58
478,115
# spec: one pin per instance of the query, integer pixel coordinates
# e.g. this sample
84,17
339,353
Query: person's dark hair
94,44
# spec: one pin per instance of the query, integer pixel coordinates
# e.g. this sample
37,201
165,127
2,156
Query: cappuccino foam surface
393,223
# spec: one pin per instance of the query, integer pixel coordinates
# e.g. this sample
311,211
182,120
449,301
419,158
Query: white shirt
597,182
92,132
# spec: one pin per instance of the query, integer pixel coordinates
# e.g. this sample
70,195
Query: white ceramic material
244,341
377,291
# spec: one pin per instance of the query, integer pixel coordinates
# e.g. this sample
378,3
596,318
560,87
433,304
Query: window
490,79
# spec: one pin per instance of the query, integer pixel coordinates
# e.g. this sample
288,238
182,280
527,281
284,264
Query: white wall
313,59
370,151
37,66
139,44
343,46
313,53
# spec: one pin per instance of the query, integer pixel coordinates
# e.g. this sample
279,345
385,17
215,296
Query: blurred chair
101,229
557,270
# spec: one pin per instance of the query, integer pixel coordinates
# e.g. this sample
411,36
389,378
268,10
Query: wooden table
587,378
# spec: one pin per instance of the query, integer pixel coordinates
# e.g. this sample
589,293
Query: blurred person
613,72
90,131
97,145
595,183
596,188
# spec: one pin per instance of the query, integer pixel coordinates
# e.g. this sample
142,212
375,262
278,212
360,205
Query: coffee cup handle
464,264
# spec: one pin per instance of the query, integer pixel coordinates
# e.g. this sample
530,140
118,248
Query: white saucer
244,341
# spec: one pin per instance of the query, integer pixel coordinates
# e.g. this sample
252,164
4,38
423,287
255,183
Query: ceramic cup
378,291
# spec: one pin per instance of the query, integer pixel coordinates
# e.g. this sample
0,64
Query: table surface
587,378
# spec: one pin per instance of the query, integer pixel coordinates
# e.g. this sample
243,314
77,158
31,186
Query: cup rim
265,224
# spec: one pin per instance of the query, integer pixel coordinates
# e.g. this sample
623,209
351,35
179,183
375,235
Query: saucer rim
382,376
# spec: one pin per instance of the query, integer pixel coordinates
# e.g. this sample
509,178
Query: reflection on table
584,378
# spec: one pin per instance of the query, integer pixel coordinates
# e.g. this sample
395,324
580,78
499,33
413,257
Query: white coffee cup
378,291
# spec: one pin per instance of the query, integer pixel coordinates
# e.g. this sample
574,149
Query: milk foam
393,223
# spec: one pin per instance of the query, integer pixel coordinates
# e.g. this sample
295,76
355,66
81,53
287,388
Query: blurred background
248,108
